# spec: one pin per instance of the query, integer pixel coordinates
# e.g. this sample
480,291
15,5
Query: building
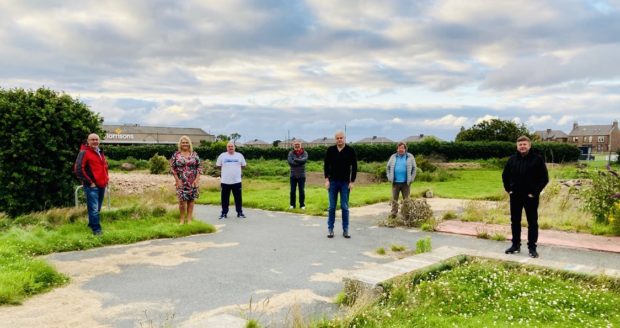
418,138
595,138
374,140
137,134
325,141
552,135
289,143
257,143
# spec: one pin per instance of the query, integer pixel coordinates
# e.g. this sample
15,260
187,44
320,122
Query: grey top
297,164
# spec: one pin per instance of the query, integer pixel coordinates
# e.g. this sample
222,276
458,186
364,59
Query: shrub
40,136
424,164
158,164
415,212
599,198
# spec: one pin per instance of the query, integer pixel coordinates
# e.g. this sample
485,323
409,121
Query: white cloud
447,120
534,119
516,120
565,119
486,118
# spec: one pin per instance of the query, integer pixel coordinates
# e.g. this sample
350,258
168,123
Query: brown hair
524,138
401,144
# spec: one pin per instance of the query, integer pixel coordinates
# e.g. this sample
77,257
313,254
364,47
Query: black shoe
330,234
222,216
533,253
513,249
346,235
241,216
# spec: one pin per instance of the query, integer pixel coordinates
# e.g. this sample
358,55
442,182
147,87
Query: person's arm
353,168
326,168
303,159
414,169
198,171
543,176
506,176
177,181
80,169
291,159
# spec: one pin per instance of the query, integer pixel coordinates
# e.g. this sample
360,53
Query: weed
380,251
398,248
449,215
423,245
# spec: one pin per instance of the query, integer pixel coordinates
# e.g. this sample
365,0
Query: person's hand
530,195
326,184
92,185
351,185
177,183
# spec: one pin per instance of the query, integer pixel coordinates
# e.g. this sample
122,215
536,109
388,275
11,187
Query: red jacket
91,167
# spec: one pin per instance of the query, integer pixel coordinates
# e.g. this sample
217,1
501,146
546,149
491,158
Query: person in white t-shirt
231,163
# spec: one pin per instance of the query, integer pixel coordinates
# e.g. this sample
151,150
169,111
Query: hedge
450,151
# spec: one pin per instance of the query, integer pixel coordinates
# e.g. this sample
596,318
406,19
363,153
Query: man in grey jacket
401,171
297,159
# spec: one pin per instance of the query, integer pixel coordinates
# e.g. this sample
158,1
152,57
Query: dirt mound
136,183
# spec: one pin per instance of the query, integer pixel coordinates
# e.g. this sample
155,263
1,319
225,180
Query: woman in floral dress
185,167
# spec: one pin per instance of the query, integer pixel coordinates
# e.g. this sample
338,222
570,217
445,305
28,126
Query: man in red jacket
92,169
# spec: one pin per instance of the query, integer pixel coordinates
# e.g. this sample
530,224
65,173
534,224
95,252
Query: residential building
418,138
257,143
138,134
374,140
288,143
595,138
552,135
325,141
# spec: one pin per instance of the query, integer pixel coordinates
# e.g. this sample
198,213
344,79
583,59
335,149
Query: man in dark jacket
91,167
297,159
340,170
524,178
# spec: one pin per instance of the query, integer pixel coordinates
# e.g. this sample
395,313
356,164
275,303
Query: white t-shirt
231,167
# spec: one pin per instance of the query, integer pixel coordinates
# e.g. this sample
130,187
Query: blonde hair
191,148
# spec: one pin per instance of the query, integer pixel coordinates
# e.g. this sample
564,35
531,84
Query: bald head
93,141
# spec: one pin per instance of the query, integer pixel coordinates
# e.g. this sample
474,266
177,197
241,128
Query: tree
40,135
276,143
235,136
494,130
222,137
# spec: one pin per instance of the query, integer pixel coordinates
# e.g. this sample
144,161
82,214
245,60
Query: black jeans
518,202
236,191
301,182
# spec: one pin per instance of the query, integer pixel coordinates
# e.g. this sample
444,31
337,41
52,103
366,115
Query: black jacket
340,165
525,174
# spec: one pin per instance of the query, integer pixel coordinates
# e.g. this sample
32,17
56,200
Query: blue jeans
336,187
94,200
302,195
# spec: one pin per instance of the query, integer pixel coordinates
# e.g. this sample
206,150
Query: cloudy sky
269,69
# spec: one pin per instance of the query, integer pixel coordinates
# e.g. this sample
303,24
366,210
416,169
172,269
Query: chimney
374,137
615,124
575,125
548,131
421,135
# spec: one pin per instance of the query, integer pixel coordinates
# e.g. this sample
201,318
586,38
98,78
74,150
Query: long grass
486,293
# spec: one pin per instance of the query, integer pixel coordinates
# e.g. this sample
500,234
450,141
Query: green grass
486,293
23,275
466,184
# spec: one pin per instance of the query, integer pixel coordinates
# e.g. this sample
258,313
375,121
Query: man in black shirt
340,169
524,178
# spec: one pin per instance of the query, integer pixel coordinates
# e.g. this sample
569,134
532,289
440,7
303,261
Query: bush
158,164
599,198
415,212
40,136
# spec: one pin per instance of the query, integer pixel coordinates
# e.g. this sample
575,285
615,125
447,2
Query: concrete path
274,267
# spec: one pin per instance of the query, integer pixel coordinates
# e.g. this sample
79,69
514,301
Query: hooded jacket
91,167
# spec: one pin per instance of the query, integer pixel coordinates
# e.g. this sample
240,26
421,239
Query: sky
271,70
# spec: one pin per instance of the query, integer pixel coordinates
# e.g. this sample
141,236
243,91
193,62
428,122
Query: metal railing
77,201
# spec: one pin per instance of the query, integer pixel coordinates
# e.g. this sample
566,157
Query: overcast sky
270,69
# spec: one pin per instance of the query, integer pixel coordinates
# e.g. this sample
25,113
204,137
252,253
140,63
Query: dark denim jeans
301,182
94,200
336,187
225,197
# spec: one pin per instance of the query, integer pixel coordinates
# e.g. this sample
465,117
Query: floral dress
186,169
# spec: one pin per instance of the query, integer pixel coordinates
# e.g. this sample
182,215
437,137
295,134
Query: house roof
551,134
294,139
374,139
591,130
324,141
256,142
418,138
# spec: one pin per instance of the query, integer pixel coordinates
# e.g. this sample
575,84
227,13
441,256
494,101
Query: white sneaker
303,207
290,207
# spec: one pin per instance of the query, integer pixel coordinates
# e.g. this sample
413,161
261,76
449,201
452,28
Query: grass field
486,293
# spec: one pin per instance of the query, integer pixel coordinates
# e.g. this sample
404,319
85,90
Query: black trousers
301,182
236,191
518,202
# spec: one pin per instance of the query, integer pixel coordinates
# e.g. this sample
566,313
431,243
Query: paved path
279,263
